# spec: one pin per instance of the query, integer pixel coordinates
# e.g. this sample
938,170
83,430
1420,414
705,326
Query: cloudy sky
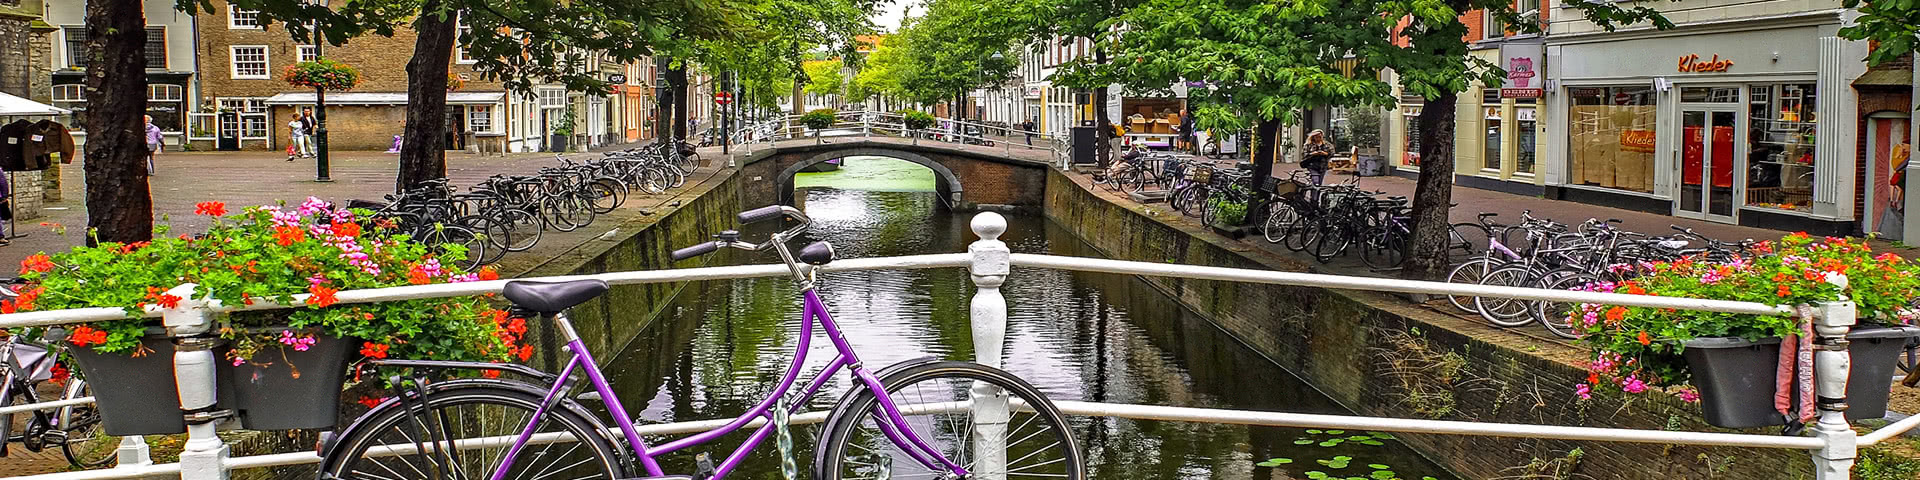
888,18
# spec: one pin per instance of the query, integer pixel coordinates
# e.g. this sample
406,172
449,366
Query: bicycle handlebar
762,214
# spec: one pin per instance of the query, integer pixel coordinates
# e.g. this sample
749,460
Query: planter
271,398
137,395
1736,376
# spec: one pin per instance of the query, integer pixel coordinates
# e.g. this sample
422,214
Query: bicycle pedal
588,397
54,437
703,466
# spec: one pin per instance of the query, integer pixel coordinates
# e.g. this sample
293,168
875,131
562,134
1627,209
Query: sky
888,18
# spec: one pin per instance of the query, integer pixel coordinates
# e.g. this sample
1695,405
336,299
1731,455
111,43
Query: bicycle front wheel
952,407
409,440
86,445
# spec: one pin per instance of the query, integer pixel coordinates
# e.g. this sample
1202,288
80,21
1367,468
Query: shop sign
1033,92
1523,114
1522,62
1692,64
1636,140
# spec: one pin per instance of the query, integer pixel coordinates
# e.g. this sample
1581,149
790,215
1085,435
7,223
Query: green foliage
774,37
1893,24
917,120
322,73
518,43
567,120
952,49
819,119
1894,460
1362,129
823,76
272,254
884,71
1634,348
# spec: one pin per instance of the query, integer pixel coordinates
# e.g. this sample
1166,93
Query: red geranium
212,209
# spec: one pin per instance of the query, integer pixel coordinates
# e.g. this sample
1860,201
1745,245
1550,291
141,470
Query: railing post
133,450
1831,361
992,261
189,324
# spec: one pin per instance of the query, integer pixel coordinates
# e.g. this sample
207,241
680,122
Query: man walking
1027,128
312,131
153,143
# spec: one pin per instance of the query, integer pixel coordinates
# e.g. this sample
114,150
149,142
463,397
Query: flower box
1736,376
136,395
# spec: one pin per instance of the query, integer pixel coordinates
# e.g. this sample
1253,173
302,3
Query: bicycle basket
1202,175
1286,188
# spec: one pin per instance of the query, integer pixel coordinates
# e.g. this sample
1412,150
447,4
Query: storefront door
1887,155
1708,160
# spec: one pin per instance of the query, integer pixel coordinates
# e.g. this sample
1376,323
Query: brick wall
349,127
23,56
985,180
1341,341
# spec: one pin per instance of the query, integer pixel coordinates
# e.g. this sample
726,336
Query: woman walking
1315,156
297,134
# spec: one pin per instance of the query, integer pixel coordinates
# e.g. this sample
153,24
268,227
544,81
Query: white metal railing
1833,443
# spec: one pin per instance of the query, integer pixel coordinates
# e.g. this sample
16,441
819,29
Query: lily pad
1377,466
1336,432
1302,442
1329,443
1274,462
1383,475
1316,475
1375,443
1313,432
1381,435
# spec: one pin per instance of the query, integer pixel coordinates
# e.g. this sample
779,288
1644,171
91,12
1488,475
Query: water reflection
1110,338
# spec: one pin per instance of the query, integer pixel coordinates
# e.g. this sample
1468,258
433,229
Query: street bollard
992,261
1831,362
190,324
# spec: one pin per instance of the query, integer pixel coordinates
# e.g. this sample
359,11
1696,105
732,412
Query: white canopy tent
15,106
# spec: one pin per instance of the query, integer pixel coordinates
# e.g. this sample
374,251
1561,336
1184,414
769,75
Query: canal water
1077,336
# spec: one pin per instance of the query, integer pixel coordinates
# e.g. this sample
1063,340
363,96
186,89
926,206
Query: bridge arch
946,184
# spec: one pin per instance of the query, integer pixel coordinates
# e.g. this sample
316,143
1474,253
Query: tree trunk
421,157
677,81
1266,152
119,203
1103,149
1433,193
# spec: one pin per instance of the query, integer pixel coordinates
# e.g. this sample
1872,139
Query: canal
1079,336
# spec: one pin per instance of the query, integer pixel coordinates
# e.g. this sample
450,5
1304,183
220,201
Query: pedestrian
297,136
1315,155
153,143
312,129
1027,128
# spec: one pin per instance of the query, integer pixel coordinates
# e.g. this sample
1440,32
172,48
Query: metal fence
1833,443
866,124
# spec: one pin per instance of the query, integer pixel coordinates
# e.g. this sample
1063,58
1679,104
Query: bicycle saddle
552,297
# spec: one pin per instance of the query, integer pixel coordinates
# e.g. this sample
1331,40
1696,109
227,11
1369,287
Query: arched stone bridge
967,177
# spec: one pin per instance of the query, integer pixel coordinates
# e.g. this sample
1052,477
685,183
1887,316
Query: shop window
1410,118
1611,132
1780,146
72,92
163,92
480,118
1491,160
1709,94
1525,133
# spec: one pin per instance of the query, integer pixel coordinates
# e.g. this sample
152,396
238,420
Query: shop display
1781,146
1611,137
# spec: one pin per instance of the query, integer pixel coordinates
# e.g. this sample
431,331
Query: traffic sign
722,98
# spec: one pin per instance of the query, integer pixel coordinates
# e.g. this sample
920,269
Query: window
309,53
463,35
164,92
1410,120
242,19
1526,132
156,48
249,61
253,121
480,118
1490,25
553,98
1611,132
1492,159
1780,146
76,41
72,92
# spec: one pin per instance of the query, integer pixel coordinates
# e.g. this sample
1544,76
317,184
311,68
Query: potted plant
916,121
562,133
1729,362
278,369
323,74
818,120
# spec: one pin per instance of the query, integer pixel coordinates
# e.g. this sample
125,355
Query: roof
12,105
384,98
1901,78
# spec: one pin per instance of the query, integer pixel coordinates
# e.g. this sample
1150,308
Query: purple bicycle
923,418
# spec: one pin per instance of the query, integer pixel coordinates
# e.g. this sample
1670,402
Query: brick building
243,62
170,65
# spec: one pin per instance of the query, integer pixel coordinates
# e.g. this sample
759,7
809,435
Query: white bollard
992,261
1831,361
133,450
205,455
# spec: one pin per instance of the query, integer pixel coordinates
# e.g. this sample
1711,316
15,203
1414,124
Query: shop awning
1885,78
12,105
385,98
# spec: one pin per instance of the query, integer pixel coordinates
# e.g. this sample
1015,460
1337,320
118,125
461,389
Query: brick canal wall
1379,356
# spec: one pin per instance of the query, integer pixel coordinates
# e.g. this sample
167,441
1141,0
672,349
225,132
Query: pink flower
314,205
1632,384
1583,391
1689,395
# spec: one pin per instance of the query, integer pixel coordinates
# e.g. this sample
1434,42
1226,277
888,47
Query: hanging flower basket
323,74
1729,362
277,369
454,82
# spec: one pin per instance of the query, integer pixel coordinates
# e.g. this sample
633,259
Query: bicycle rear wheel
1281,217
935,399
1472,272
420,431
1555,315
1506,312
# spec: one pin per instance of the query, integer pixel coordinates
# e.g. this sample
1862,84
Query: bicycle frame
892,424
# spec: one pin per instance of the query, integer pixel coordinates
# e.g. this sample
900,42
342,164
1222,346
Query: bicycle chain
784,440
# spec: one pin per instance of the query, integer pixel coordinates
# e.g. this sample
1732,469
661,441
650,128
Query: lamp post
320,111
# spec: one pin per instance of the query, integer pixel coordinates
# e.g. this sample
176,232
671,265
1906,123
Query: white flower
1837,279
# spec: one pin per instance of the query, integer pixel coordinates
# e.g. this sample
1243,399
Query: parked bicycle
25,365
919,419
